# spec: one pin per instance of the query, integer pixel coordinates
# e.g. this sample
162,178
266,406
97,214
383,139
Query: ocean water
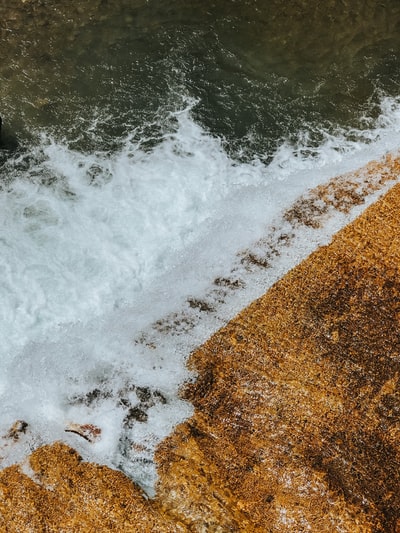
148,151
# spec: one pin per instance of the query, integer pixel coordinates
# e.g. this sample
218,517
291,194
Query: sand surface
296,423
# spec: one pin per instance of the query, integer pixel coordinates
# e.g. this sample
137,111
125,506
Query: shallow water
145,145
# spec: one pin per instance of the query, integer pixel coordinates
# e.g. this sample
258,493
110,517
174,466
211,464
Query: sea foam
97,249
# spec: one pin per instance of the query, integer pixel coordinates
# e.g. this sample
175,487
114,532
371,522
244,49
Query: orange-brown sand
297,414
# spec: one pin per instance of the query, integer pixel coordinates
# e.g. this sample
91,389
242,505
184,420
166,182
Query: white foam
94,248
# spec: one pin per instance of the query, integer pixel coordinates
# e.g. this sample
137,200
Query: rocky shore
296,424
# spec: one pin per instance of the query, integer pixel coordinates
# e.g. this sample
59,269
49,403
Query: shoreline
295,425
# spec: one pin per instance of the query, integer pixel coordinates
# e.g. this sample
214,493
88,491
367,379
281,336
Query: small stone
16,429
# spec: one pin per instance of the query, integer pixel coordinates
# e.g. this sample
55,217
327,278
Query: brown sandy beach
296,424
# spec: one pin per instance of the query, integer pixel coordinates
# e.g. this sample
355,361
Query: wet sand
296,423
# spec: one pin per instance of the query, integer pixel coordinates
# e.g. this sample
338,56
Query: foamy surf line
119,267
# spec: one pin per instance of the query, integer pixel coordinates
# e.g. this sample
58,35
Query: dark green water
261,71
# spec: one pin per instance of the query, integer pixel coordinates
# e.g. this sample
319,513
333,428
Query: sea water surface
145,145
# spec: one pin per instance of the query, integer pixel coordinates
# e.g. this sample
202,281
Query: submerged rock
8,141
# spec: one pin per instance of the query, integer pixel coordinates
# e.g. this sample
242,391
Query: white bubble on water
96,248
